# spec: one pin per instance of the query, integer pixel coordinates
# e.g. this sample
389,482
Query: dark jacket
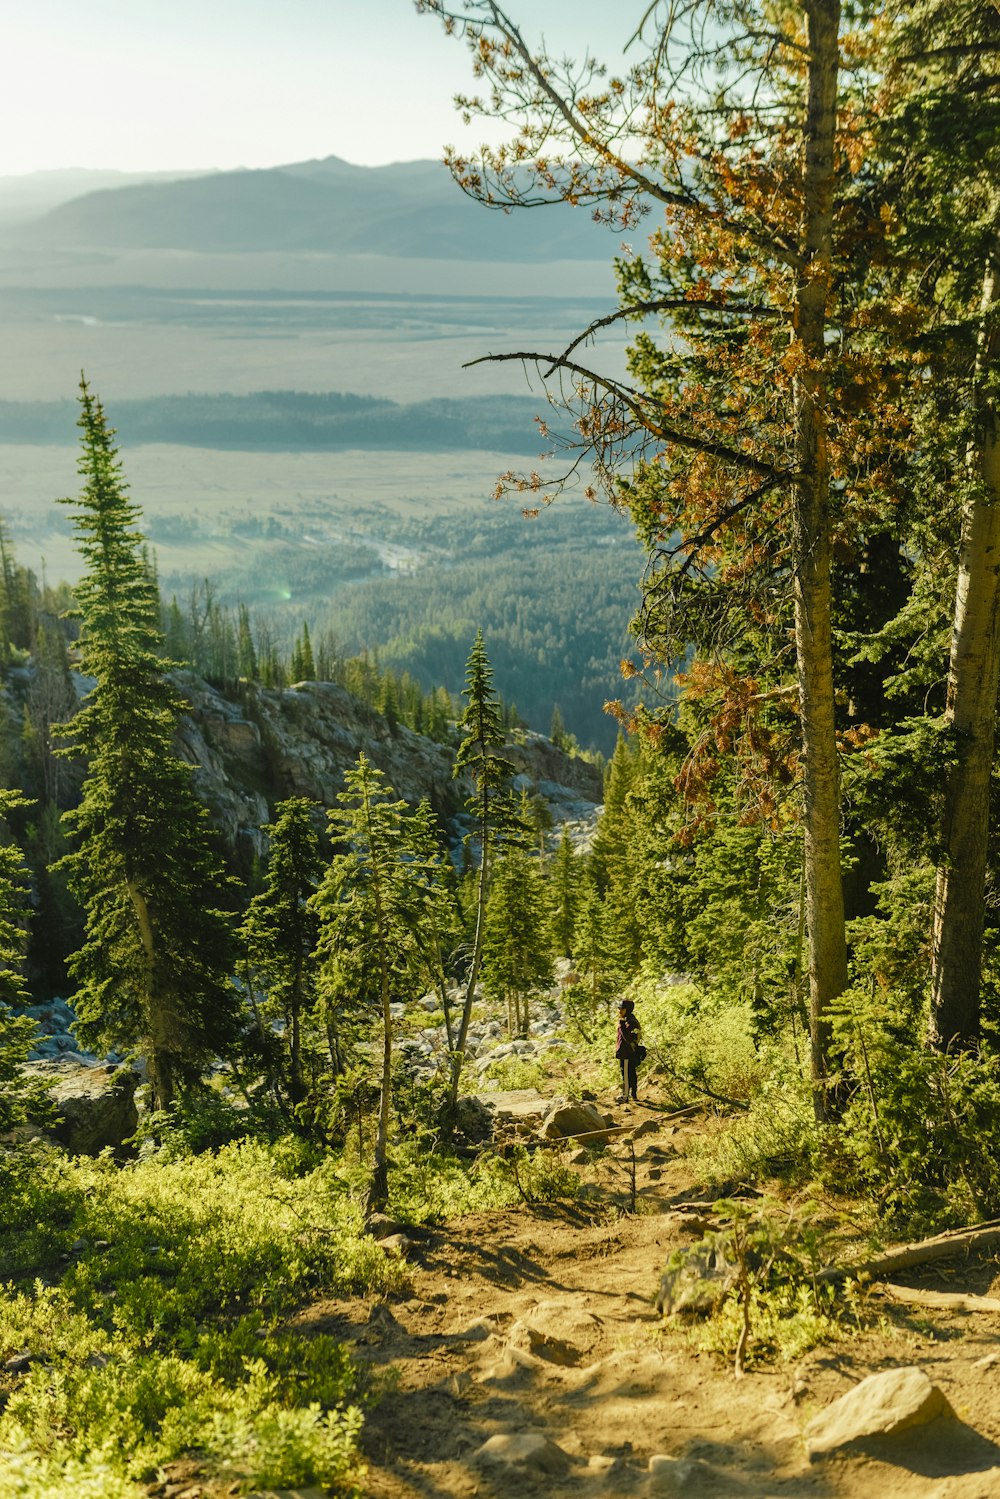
629,1032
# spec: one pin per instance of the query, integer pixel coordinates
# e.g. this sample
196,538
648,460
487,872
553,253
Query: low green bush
150,1297
921,1129
707,1040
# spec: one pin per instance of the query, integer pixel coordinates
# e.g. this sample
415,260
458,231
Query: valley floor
539,1321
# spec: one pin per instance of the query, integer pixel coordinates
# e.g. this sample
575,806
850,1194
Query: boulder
95,1108
881,1405
381,1226
678,1476
524,1449
564,1120
473,1119
515,1106
556,1333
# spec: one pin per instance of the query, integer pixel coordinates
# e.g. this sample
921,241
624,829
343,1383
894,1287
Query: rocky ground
527,1357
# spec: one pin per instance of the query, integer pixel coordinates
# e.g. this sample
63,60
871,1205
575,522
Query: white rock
881,1405
525,1449
557,1333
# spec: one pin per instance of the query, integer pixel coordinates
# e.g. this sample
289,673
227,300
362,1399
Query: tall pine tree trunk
458,1055
378,1192
813,631
974,670
158,1009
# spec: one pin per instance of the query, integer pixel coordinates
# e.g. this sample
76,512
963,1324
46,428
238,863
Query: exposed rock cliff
270,743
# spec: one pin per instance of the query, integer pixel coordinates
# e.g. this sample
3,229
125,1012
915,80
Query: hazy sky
158,84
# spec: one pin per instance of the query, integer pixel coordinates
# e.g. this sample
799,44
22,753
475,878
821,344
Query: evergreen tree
154,971
20,1098
280,932
595,958
614,858
942,143
389,702
368,906
757,411
517,953
438,931
307,666
246,654
564,885
490,805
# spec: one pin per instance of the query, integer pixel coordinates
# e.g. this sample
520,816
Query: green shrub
702,1039
754,1280
513,1072
161,1334
774,1137
921,1130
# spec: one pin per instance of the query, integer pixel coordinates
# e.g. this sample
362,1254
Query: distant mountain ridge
294,421
26,195
408,209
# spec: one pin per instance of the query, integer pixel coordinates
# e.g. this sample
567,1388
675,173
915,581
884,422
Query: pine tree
280,932
19,1097
746,435
389,702
306,663
594,956
368,906
154,971
564,884
438,931
490,805
517,952
943,143
246,654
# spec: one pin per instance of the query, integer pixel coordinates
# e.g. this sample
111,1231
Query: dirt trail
539,1320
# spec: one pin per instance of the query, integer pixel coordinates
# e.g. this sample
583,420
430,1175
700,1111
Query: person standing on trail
628,1048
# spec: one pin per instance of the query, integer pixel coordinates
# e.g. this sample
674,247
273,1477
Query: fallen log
941,1247
945,1301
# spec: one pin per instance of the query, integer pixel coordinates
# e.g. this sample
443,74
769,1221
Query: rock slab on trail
881,1405
526,1449
564,1120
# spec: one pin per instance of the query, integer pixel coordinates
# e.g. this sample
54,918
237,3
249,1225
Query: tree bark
378,1192
905,1256
973,675
458,1055
813,630
160,1059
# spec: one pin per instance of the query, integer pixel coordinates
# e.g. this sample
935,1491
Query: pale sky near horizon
152,85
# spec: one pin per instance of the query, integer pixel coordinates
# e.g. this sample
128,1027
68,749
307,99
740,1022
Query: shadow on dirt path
532,1333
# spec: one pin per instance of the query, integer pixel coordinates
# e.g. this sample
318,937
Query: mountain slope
410,209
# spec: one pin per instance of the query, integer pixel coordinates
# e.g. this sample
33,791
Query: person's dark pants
629,1082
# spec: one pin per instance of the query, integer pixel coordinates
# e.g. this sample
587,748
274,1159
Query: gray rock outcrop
522,1108
274,743
95,1106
